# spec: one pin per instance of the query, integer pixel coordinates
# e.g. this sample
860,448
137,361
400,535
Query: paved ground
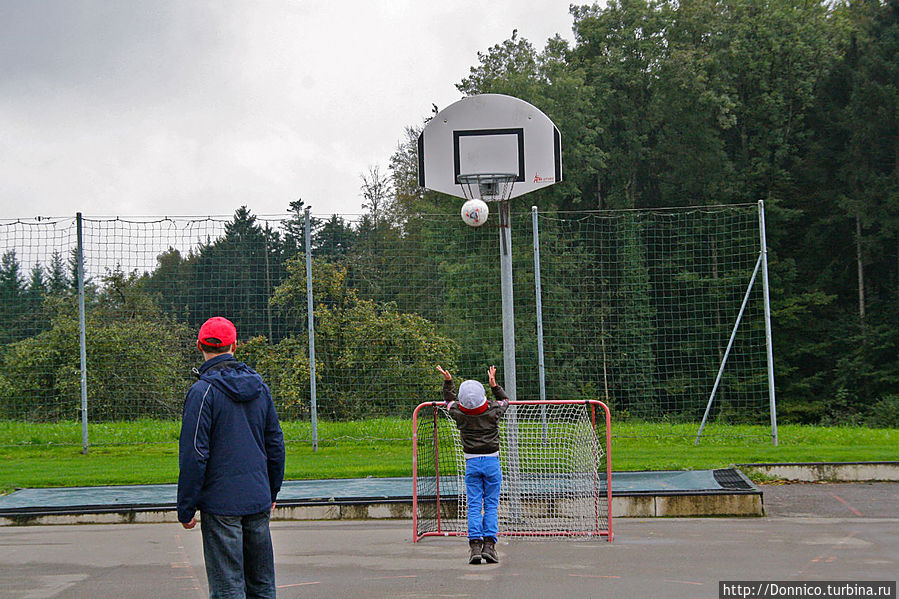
862,500
812,532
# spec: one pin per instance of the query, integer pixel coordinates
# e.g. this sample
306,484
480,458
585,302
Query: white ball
475,212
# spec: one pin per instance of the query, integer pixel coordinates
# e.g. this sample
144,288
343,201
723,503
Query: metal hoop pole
509,375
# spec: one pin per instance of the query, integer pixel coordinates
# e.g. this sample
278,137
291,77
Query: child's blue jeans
483,478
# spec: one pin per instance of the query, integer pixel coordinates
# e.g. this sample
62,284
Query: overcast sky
183,107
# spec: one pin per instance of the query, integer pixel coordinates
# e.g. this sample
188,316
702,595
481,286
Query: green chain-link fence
638,308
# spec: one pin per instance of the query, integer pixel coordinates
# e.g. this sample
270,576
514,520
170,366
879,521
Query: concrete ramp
722,492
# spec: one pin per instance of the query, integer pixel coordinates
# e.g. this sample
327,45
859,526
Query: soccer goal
556,471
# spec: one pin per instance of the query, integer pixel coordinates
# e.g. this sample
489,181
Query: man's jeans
239,559
483,478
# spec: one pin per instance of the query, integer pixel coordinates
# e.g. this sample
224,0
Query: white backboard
489,133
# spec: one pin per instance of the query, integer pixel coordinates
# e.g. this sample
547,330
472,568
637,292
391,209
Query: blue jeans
240,562
483,478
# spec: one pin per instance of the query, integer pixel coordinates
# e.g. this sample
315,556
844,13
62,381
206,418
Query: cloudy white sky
191,107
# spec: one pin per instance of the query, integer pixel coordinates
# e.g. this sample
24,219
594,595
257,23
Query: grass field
142,452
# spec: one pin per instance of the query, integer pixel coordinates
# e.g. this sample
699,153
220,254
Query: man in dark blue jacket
231,467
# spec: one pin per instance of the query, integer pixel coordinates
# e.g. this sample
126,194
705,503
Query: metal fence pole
268,288
730,344
541,372
769,343
82,336
508,302
313,408
539,292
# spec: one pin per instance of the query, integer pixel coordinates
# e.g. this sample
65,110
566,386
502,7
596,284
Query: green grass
670,446
143,452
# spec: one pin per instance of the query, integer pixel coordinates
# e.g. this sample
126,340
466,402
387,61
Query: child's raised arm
446,375
449,391
491,374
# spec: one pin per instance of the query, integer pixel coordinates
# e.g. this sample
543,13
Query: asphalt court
811,532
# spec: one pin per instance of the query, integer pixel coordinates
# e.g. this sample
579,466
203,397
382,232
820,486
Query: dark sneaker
474,553
488,551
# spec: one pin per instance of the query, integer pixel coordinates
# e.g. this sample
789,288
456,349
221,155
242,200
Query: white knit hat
472,395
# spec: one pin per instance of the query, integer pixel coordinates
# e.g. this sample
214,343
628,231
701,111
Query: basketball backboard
489,133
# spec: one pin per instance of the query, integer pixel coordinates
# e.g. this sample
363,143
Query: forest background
660,104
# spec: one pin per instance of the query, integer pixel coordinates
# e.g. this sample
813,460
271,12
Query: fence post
769,342
313,408
268,288
541,370
82,336
538,290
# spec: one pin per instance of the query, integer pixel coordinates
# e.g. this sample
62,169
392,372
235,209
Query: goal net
555,464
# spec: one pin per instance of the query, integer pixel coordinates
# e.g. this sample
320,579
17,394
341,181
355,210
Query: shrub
884,413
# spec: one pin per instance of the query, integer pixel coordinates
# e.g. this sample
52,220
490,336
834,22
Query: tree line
660,104
373,358
698,102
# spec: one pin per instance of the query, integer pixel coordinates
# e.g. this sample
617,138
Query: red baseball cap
217,332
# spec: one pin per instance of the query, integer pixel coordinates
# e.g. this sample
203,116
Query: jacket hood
237,380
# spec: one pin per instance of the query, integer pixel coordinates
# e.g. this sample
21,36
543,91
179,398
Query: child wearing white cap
477,419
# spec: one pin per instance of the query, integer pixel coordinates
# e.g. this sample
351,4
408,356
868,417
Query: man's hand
446,375
491,374
189,525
